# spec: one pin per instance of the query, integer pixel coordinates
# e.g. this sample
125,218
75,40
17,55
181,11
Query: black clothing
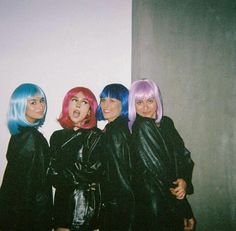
75,171
117,195
175,144
160,157
25,194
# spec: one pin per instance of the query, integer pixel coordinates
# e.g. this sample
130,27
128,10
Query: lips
106,111
40,112
76,114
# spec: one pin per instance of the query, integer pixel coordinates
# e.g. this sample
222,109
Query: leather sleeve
117,148
184,161
150,151
21,179
54,165
78,172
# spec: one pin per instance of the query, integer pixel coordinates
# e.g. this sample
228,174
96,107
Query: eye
113,100
32,102
42,100
102,100
138,102
151,100
74,99
84,102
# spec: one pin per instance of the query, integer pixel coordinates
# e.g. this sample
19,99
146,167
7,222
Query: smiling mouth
40,112
106,111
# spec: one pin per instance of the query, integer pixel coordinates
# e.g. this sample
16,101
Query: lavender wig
144,89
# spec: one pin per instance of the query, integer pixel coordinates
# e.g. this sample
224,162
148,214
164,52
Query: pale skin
147,107
35,108
79,109
189,224
111,108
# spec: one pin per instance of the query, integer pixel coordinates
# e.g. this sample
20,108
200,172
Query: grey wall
189,48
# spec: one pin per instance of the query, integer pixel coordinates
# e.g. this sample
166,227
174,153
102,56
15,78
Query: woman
118,199
25,194
162,165
75,169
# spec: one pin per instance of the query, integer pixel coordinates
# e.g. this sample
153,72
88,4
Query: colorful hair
18,104
64,118
115,91
144,89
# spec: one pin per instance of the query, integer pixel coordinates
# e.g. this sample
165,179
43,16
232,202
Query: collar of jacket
140,118
119,121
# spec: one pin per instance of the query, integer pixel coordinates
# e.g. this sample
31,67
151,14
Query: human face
35,108
79,109
146,107
111,108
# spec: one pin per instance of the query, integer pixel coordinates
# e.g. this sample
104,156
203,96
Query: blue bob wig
17,107
115,91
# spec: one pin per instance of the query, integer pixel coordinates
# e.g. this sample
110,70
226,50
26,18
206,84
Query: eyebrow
75,97
34,99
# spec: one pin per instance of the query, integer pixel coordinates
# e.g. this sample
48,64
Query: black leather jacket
25,194
75,171
118,199
160,157
183,162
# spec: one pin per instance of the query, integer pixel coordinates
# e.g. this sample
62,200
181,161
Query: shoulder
27,134
95,131
168,128
118,129
167,122
92,136
143,123
27,141
120,133
59,136
59,133
92,133
121,126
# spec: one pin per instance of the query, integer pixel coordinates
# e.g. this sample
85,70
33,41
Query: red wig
64,119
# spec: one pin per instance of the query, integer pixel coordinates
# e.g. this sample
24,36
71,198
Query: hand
189,224
180,190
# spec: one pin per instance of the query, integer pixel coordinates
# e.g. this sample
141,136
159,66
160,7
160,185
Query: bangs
111,94
33,91
115,91
144,91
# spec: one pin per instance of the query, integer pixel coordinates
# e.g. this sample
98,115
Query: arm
189,220
117,148
54,165
184,174
184,163
20,179
150,152
78,170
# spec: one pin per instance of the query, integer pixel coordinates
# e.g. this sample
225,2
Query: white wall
58,45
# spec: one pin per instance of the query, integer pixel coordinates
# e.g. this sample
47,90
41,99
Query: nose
105,104
78,104
145,107
42,105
